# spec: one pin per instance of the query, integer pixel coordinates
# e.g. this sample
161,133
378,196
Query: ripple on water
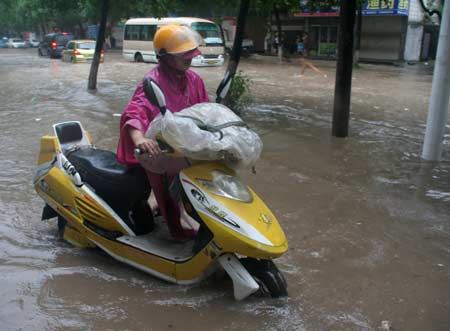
279,314
190,301
438,195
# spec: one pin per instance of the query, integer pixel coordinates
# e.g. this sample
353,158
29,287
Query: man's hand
146,145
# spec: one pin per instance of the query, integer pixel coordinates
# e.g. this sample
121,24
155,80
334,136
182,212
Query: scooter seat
118,185
99,162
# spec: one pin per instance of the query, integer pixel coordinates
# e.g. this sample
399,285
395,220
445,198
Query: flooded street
368,223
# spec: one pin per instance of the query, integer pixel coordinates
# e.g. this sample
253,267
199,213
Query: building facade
392,31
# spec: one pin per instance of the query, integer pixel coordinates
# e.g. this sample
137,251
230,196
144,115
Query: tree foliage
17,16
25,15
37,15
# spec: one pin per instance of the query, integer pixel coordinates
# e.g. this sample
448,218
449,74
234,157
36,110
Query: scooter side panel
197,267
79,233
76,238
135,257
232,241
49,145
76,205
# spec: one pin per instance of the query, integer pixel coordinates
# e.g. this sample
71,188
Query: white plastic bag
232,141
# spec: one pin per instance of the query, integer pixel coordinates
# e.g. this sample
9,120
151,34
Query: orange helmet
175,39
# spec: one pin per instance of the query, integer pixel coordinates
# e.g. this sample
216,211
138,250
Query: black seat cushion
118,185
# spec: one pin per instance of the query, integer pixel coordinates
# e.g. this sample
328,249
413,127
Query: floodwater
367,221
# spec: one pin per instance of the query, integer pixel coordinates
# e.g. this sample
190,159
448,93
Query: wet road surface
368,223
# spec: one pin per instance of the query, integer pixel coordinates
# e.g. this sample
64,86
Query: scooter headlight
227,186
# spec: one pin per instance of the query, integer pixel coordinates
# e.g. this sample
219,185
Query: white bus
139,33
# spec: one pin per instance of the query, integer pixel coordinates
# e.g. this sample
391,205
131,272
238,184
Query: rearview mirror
154,94
223,87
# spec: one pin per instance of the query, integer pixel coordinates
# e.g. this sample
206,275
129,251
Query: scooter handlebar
163,146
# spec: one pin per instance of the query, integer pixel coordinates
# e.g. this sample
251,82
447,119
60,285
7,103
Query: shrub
239,94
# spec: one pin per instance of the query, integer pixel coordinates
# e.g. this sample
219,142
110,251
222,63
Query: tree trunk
92,83
82,32
343,84
43,29
237,43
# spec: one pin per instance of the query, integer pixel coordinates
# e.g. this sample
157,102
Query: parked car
247,47
54,43
16,43
3,43
32,43
80,51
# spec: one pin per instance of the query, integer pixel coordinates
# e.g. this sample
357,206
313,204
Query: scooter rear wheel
269,278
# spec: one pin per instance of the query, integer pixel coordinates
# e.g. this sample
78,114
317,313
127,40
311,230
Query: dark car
54,43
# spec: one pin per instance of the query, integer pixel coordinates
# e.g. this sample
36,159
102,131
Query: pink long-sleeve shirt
180,89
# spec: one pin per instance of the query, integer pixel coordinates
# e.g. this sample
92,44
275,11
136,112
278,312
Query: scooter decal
199,196
202,201
212,209
70,170
266,219
221,214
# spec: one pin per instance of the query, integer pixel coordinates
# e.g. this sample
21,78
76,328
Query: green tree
31,15
100,10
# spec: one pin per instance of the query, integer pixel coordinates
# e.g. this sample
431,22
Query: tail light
76,52
54,45
102,51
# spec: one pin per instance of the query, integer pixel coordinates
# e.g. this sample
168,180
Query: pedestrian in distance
107,42
276,43
305,56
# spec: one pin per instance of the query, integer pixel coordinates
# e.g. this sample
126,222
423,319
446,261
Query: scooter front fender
243,283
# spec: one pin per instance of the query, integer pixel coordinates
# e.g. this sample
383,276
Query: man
175,47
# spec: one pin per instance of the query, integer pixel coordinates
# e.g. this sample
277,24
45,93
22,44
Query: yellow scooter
101,203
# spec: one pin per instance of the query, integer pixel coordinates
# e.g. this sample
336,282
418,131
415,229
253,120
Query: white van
139,33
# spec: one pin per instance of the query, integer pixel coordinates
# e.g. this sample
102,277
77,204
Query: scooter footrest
112,235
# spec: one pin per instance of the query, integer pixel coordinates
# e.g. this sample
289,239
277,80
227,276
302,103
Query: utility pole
438,108
343,84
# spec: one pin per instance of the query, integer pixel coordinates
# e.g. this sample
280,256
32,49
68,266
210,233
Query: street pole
440,90
344,66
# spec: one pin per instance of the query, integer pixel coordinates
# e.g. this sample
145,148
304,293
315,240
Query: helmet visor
189,55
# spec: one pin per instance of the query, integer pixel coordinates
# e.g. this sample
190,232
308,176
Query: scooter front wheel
269,278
